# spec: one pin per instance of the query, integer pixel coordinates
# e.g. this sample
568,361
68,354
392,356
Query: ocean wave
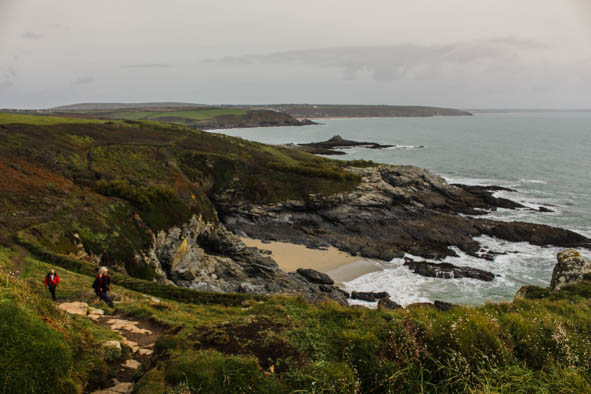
535,181
521,264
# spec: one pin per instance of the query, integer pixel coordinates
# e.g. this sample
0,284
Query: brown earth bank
394,210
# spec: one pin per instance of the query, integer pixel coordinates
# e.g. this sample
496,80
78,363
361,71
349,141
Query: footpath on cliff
139,336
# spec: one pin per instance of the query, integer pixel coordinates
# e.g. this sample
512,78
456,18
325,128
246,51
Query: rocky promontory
393,211
333,145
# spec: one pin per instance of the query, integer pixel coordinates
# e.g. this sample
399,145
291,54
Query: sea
544,156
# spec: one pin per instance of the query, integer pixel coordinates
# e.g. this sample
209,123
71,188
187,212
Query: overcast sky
456,53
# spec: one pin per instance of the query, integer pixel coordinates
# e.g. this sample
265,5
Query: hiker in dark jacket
52,280
101,286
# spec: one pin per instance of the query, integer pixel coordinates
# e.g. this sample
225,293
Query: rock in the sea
315,276
448,271
387,303
369,296
570,268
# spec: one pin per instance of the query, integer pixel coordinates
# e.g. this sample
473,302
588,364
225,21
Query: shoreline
340,266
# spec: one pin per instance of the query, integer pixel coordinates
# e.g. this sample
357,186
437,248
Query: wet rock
571,268
387,303
331,146
544,209
315,276
369,296
448,271
326,289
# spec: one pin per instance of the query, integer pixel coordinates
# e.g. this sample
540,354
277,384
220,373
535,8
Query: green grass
42,120
284,344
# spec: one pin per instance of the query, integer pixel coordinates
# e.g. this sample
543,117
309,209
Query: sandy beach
341,266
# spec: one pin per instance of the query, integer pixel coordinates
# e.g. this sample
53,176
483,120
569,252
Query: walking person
101,285
52,280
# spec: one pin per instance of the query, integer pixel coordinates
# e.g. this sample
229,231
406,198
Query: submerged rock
447,271
570,268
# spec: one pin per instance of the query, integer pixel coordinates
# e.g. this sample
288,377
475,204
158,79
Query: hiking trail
138,334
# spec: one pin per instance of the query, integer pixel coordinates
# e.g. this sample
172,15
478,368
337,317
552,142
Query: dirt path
18,261
138,334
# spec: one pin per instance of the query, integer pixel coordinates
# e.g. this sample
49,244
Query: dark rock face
387,303
448,271
314,276
369,296
395,210
208,257
571,268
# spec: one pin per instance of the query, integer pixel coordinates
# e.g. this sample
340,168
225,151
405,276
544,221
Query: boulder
387,303
132,364
113,345
369,296
120,388
442,305
315,276
75,308
570,268
448,271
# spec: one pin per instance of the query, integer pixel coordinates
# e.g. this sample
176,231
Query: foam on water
522,264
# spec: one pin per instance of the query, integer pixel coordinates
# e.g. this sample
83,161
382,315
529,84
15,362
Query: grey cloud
147,65
393,62
29,35
84,80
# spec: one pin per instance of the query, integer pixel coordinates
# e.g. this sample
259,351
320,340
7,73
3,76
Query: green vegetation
109,185
40,120
283,345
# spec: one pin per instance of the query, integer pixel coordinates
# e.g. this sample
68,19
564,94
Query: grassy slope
113,183
282,345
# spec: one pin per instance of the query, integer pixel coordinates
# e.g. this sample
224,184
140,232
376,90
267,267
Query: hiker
101,285
51,282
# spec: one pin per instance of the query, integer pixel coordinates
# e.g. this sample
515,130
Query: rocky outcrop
332,146
206,256
315,276
447,271
571,268
369,296
393,211
387,303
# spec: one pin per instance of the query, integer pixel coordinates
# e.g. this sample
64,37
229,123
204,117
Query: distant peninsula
211,117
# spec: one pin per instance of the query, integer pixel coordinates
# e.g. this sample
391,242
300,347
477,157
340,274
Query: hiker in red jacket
51,282
101,285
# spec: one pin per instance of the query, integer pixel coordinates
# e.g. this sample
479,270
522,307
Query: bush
143,197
